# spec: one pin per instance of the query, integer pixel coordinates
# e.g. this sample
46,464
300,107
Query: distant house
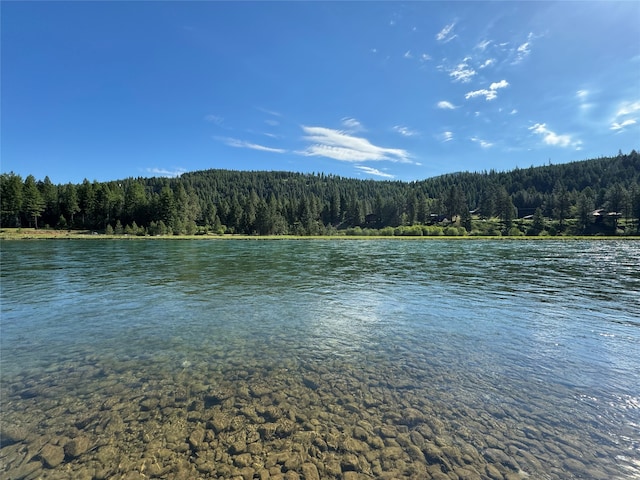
600,215
436,218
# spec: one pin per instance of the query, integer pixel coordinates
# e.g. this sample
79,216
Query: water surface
349,359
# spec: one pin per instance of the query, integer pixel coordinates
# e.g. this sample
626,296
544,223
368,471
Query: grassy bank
45,234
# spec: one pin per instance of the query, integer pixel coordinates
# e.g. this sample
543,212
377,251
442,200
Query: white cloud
405,131
551,138
443,104
627,115
483,45
524,49
628,108
425,57
514,111
374,171
269,112
462,72
625,123
445,34
497,85
487,63
233,142
446,136
272,122
163,172
341,146
490,93
582,94
482,143
214,119
352,125
408,54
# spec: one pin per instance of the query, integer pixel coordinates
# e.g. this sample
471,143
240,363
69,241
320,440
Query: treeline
555,198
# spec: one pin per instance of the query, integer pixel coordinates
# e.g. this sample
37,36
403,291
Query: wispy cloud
445,35
462,72
523,49
352,125
628,108
425,57
627,115
405,131
234,142
216,119
483,45
374,171
338,145
272,122
444,105
487,63
482,143
490,93
408,54
623,124
582,94
163,172
551,138
269,112
445,136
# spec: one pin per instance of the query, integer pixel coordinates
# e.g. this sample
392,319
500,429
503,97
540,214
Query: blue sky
384,90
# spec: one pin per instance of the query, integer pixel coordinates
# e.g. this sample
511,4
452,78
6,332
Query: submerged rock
52,455
77,447
12,434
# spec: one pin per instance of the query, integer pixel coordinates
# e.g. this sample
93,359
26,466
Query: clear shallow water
493,358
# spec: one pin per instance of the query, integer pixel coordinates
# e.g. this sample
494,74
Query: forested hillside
592,196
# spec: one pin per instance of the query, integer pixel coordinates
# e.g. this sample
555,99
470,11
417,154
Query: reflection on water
320,359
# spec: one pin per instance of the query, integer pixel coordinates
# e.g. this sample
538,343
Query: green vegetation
591,197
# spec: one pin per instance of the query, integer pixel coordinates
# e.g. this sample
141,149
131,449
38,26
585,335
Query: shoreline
41,234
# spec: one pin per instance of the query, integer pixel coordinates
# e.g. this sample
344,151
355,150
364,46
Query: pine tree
33,202
11,198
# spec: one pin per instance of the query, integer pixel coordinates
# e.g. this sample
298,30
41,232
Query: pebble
336,421
52,455
77,446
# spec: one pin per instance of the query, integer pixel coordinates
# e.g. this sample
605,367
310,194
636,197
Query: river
333,359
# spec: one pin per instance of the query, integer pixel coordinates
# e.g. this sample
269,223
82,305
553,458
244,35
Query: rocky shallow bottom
133,418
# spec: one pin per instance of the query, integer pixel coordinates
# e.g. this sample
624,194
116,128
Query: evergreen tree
635,205
49,192
561,203
69,202
584,212
86,200
505,208
33,202
538,224
11,199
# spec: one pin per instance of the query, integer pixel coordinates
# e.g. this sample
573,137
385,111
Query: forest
591,197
